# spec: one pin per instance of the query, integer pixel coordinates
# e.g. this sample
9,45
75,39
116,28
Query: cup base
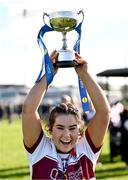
66,64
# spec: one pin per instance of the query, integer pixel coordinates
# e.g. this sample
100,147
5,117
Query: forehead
67,120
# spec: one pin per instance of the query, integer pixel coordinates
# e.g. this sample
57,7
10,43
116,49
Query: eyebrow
59,125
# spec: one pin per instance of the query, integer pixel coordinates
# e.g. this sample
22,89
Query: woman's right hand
54,57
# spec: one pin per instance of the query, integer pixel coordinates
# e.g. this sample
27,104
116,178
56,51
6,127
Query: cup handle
81,12
44,15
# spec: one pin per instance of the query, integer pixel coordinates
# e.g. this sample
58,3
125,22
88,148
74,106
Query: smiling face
65,132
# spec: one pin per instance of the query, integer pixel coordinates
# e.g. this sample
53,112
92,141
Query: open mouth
65,142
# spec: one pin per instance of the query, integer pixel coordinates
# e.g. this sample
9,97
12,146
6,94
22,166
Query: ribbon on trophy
47,63
46,60
82,89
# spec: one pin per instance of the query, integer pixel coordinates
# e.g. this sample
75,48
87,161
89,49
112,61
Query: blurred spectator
8,112
65,98
116,109
44,110
114,129
1,112
87,116
18,110
124,135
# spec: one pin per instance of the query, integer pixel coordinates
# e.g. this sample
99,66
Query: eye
61,128
72,128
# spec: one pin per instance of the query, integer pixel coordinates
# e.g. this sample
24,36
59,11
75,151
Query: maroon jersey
45,162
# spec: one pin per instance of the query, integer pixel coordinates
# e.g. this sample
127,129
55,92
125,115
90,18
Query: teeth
65,141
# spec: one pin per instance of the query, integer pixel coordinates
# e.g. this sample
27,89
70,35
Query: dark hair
63,108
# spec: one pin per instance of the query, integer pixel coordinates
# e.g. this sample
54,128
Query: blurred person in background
115,129
124,135
67,154
66,98
1,112
87,116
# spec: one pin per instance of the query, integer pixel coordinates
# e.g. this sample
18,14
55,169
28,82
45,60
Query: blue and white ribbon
82,89
49,65
46,59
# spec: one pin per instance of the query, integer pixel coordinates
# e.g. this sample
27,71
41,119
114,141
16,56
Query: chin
64,150
67,150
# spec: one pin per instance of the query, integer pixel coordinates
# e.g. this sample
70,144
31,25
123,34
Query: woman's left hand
82,66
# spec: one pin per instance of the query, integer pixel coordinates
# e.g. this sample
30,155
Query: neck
58,151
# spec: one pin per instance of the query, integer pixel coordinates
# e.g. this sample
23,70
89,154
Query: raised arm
99,124
30,118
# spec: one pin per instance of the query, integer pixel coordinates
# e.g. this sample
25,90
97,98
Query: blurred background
104,44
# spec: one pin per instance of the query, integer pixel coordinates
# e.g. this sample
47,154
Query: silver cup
64,21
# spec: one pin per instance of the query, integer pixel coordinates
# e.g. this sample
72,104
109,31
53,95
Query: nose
66,133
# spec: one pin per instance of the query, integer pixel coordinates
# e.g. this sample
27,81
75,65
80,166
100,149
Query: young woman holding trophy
68,153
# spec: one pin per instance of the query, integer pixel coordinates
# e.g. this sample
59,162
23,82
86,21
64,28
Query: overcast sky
104,38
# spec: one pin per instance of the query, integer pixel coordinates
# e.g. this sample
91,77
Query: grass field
14,163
